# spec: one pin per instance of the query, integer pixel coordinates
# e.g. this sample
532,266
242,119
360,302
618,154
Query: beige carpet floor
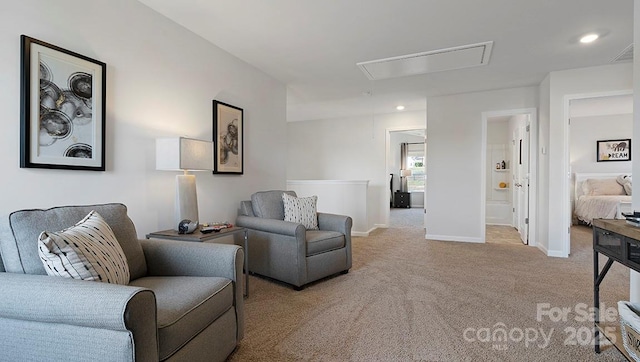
410,299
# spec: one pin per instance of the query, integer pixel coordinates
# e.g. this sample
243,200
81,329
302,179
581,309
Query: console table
200,237
620,242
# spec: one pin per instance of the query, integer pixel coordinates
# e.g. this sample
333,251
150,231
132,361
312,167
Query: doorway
405,165
509,185
589,118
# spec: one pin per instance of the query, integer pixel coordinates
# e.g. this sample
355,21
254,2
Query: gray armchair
184,301
286,251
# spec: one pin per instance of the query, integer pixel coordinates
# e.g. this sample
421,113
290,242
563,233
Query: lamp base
186,199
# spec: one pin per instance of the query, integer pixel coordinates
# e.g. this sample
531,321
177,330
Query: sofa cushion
186,306
320,241
301,210
86,251
268,204
19,233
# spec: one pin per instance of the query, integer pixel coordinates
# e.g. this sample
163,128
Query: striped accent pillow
301,210
87,251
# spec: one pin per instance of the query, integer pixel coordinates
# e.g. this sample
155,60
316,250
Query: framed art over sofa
62,108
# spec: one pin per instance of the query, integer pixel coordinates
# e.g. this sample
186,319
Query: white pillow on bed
600,187
625,181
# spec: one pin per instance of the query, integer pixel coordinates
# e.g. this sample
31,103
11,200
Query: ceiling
313,46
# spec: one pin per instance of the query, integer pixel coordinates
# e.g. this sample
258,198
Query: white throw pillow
88,250
301,210
600,187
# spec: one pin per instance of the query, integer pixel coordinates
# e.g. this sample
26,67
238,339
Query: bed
601,196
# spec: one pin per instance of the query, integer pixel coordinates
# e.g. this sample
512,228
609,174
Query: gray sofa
286,251
184,301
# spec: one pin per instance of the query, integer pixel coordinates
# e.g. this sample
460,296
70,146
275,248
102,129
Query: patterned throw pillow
87,251
301,210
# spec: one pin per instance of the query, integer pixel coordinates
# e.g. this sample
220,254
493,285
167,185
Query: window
415,162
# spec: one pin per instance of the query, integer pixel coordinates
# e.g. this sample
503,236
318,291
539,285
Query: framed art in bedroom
227,135
613,150
62,108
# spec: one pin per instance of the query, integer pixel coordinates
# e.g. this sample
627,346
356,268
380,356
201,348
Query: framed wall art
62,108
613,150
227,136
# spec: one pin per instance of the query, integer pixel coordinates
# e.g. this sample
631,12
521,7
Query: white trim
533,168
364,233
462,239
557,254
566,166
380,226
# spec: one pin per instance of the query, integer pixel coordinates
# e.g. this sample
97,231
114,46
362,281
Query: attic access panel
464,56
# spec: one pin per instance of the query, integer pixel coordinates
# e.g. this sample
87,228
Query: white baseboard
380,226
464,239
552,253
363,233
556,254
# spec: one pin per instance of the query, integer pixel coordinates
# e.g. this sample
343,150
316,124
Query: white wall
586,131
562,86
348,149
454,154
341,197
161,80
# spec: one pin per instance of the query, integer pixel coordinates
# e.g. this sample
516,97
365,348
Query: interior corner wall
348,149
454,154
161,80
563,84
543,164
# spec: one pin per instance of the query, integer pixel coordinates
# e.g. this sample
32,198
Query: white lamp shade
180,153
184,154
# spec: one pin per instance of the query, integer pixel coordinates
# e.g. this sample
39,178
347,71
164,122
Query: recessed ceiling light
588,38
400,108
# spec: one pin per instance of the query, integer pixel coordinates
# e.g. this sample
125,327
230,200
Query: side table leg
246,263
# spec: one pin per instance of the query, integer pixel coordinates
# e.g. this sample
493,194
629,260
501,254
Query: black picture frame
228,148
613,150
62,108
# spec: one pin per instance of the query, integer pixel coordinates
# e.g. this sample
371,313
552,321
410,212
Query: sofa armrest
272,226
57,300
188,258
341,224
333,222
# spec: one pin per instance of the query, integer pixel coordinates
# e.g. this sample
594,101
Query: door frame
533,168
566,164
387,142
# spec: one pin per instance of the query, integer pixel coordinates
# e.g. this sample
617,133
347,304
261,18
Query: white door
521,181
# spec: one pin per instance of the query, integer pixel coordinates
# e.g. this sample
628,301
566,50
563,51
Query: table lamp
184,154
404,173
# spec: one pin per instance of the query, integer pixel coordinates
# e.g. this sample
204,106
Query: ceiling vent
625,56
465,56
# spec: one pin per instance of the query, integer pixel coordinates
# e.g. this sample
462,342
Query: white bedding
588,208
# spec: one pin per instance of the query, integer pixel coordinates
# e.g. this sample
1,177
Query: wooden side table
200,237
